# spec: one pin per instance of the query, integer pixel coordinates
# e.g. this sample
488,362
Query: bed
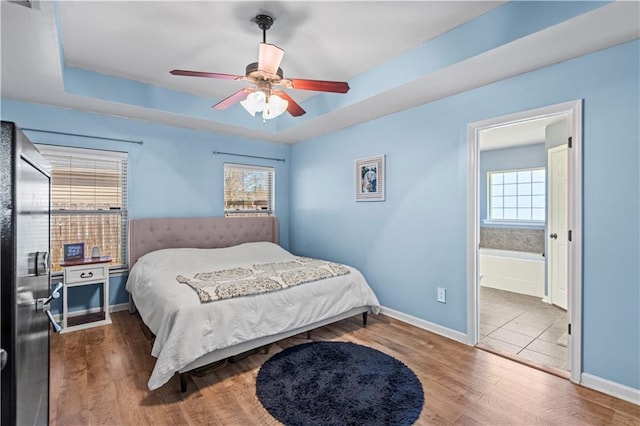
189,333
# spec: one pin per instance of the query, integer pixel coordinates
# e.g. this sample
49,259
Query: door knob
554,236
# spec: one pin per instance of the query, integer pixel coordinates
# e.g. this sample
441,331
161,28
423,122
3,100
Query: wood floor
99,376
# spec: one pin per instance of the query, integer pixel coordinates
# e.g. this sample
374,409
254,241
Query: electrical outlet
442,295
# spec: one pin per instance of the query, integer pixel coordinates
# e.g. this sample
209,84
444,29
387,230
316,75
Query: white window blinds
248,190
88,202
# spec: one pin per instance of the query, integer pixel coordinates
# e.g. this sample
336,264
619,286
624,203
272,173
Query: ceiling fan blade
233,99
207,74
293,108
269,58
320,85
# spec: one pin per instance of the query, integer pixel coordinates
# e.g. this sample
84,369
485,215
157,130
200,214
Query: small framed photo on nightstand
73,251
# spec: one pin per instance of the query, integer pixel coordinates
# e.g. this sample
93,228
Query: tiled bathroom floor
523,326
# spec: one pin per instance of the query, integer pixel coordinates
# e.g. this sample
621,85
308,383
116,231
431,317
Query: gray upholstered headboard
147,235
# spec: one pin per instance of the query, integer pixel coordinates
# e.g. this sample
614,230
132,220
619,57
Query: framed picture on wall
370,178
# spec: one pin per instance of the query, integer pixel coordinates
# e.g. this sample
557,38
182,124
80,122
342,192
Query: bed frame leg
365,315
183,382
132,305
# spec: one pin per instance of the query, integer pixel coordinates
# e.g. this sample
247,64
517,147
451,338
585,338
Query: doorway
528,284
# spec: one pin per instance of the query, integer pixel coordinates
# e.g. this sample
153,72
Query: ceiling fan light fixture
255,102
269,58
274,107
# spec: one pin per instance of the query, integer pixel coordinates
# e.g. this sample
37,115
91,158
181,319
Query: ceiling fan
267,77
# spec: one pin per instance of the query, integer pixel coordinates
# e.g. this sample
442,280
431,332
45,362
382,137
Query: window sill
514,224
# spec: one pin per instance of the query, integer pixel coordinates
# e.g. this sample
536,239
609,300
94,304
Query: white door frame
573,108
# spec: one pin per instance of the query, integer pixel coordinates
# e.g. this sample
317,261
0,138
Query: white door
558,236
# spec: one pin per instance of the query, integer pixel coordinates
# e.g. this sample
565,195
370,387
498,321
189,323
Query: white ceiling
143,41
330,40
516,134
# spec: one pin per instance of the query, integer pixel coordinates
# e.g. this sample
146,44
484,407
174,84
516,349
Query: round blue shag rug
338,383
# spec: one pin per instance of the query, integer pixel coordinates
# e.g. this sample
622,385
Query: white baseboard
546,299
112,308
626,393
425,325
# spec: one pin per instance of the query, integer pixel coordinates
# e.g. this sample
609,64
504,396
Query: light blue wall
173,174
519,157
415,241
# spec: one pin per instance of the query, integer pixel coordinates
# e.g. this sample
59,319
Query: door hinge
570,236
570,141
569,328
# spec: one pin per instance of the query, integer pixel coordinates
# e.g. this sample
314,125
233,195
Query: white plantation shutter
248,190
88,202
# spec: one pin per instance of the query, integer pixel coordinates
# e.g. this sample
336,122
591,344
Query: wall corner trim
617,390
425,325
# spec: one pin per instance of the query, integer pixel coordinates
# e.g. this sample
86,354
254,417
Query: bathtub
515,271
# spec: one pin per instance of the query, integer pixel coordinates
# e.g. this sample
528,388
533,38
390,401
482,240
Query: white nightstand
80,273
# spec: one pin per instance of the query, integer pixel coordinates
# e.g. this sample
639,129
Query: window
517,195
248,190
88,202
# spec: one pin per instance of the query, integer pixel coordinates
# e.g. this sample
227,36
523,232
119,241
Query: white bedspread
186,329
